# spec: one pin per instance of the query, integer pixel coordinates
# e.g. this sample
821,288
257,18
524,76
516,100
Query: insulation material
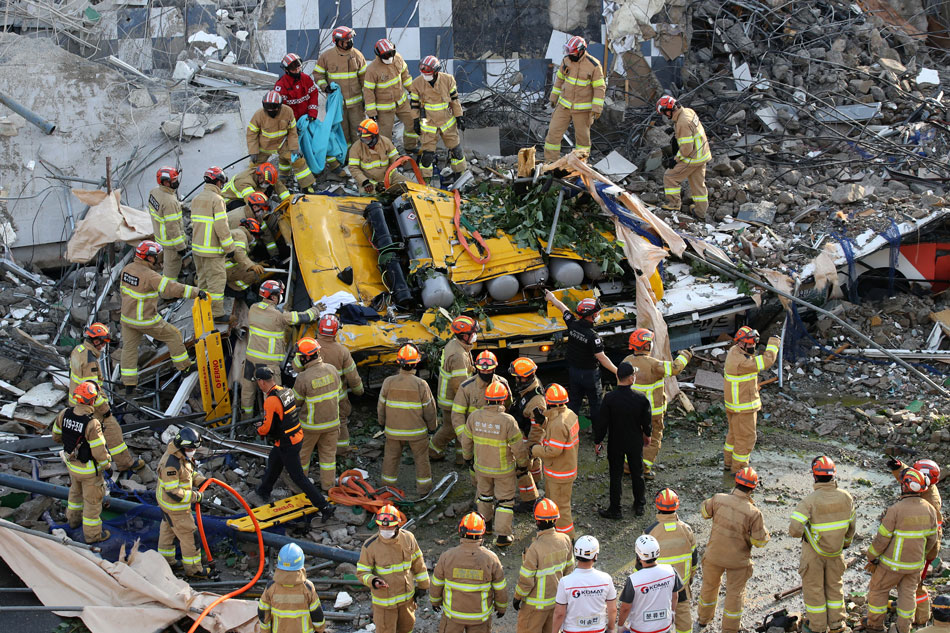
626,21
142,590
780,281
826,272
107,221
641,254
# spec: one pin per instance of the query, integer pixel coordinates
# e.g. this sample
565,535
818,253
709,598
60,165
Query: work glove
894,464
596,115
379,583
516,603
257,269
380,187
202,294
261,157
327,89
460,121
521,471
437,608
598,450
669,163
375,117
538,416
196,496
419,595
294,156
553,100
669,129
367,186
499,614
417,126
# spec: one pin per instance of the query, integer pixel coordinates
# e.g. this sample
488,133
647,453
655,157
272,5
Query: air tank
383,241
471,290
592,270
503,288
437,291
566,272
532,278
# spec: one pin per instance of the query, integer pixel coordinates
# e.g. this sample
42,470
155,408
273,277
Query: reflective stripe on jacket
548,559
140,287
318,385
455,367
165,211
825,519
691,137
405,408
399,562
385,85
741,373
346,68
650,376
469,583
580,85
907,536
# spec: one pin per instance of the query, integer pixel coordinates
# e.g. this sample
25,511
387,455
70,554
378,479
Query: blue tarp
319,139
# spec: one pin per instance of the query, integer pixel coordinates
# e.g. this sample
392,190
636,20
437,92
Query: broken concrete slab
761,212
852,113
928,78
615,166
46,395
485,141
710,380
846,194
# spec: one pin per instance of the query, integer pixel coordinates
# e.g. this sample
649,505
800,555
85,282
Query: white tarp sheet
107,221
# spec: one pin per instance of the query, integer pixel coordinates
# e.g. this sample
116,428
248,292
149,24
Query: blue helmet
290,557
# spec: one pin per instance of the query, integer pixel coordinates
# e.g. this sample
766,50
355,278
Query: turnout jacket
737,527
399,562
405,408
290,604
140,287
177,480
650,375
469,583
549,558
825,519
556,443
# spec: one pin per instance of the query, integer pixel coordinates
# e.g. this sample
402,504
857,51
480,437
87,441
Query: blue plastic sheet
319,139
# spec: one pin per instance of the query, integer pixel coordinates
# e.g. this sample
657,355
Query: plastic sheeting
140,594
107,221
319,139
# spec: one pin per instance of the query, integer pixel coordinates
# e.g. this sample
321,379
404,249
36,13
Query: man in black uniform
280,424
585,354
626,416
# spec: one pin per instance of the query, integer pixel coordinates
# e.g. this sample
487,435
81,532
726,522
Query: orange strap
399,161
356,491
464,242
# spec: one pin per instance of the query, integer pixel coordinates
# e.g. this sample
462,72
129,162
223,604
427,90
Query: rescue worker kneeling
391,565
468,582
493,439
369,159
178,483
290,603
87,458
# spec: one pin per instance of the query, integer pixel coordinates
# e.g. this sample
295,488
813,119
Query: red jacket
301,94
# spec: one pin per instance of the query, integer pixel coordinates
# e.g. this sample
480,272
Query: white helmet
586,548
647,547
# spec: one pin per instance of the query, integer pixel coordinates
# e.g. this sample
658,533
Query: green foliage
71,625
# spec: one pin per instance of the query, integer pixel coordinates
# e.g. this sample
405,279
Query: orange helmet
747,336
408,355
496,392
464,324
472,526
270,288
523,368
272,98
546,510
148,248
307,348
266,173
368,127
640,339
747,477
556,394
929,468
86,392
257,201
486,361
387,516
823,466
912,480
97,331
665,104
329,325
667,500
252,225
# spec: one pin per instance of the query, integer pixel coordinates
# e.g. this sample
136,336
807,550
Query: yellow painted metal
275,513
209,356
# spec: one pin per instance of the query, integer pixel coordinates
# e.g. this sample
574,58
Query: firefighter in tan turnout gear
904,543
86,458
528,399
492,439
243,271
317,394
470,396
370,157
84,365
385,95
391,565
548,559
825,522
246,195
678,546
337,354
406,411
649,379
736,528
437,113
167,223
345,65
689,163
290,603
268,328
741,373
578,96
140,287
455,366
468,582
273,130
177,494
555,440
211,241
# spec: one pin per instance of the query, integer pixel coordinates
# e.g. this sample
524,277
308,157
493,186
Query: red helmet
667,500
747,336
747,477
270,288
215,175
266,173
912,480
929,468
556,394
289,60
252,225
464,325
272,97
823,466
430,65
86,392
343,33
97,331
523,368
496,392
588,307
640,339
307,348
167,176
148,248
575,46
329,325
486,361
665,104
408,355
546,510
384,48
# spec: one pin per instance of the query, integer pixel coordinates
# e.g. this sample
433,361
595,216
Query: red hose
204,543
464,242
400,161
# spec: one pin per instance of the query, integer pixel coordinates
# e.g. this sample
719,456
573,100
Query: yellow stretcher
275,513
